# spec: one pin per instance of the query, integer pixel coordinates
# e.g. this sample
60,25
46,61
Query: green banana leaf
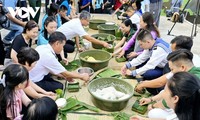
139,108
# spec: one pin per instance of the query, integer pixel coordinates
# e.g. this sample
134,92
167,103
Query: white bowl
61,102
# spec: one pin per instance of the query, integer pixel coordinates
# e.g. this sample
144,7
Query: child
41,109
13,80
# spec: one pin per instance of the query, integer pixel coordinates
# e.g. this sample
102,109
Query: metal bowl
88,70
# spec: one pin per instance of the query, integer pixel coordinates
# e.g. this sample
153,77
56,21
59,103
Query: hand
53,97
82,7
129,72
136,117
105,44
132,55
50,93
139,87
24,24
81,49
121,54
70,79
85,77
150,107
65,61
123,70
145,101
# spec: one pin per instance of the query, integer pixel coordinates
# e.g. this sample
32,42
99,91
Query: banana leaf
73,65
108,73
121,59
139,108
73,87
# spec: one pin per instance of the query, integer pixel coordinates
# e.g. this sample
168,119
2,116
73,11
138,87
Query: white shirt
46,64
167,114
144,4
135,19
157,59
72,29
196,60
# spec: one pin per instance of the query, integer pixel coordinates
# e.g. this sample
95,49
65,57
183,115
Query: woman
181,95
11,92
128,29
50,26
53,11
22,40
146,22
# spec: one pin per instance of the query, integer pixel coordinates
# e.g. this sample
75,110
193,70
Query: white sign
28,11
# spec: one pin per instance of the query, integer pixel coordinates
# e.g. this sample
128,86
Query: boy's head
180,60
130,11
27,57
145,39
63,10
181,42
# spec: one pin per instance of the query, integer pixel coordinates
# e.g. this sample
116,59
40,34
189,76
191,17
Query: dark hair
63,8
149,20
183,42
30,25
130,8
41,109
181,54
143,35
128,22
47,21
27,54
56,36
14,74
187,87
53,10
137,3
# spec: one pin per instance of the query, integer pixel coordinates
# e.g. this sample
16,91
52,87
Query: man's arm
15,20
66,74
156,83
93,40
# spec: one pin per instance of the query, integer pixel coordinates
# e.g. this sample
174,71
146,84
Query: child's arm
25,99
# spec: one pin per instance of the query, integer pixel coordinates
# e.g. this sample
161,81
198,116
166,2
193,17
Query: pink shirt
17,105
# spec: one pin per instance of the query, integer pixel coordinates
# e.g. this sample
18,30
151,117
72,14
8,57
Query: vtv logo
28,11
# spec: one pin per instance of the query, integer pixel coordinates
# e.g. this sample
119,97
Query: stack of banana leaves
73,65
72,105
136,106
109,73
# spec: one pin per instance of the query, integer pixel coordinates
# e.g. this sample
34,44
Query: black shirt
17,44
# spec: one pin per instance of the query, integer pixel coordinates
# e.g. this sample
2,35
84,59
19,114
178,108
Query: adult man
74,28
179,61
49,64
16,25
28,57
179,42
155,53
155,8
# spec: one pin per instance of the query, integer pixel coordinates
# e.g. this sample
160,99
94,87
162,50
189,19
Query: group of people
168,72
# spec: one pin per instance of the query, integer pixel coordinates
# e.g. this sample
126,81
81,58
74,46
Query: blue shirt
41,39
98,4
10,3
84,2
66,4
